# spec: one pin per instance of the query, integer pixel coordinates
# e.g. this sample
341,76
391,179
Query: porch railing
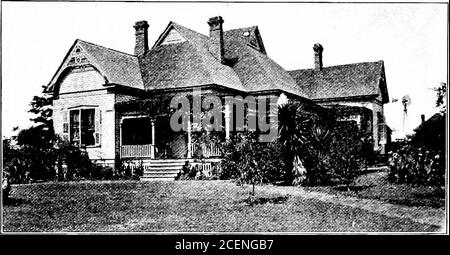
137,151
206,150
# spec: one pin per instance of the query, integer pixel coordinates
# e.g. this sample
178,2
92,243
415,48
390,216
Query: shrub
417,165
346,153
189,172
196,172
26,162
252,162
320,149
420,159
127,169
77,162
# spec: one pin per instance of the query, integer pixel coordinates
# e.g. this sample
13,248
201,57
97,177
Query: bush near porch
27,162
314,148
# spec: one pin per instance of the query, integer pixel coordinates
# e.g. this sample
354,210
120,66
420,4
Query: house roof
190,63
185,64
256,70
117,67
246,68
343,81
428,123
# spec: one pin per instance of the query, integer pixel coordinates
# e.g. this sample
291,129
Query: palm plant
305,137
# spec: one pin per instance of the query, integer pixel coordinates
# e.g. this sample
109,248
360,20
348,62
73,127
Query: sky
411,39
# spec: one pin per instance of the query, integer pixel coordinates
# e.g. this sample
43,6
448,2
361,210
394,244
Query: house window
82,127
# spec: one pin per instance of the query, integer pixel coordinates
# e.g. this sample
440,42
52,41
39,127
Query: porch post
120,137
189,142
152,153
227,121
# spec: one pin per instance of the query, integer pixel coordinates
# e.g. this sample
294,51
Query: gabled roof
189,34
343,81
117,67
243,36
190,63
246,67
185,64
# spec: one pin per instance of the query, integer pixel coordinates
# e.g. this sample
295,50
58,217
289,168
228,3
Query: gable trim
65,68
81,106
164,34
350,98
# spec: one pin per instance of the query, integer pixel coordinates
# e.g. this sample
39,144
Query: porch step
163,169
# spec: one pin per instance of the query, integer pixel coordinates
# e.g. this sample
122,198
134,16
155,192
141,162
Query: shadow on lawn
252,201
355,188
11,201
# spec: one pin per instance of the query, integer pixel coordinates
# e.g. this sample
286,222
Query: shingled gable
365,79
118,68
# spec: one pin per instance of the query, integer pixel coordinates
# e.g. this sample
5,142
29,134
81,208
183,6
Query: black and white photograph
224,118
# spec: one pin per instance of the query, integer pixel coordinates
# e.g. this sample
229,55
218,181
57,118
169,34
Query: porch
149,151
142,137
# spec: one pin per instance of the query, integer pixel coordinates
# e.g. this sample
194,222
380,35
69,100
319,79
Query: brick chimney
141,46
318,49
216,45
422,118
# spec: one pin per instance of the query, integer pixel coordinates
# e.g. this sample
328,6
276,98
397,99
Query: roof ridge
94,44
241,28
342,65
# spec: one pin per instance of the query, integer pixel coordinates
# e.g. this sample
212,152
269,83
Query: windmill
406,101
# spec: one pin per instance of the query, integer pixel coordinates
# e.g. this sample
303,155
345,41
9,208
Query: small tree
252,162
441,93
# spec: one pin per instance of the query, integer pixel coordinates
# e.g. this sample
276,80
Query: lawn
375,185
199,206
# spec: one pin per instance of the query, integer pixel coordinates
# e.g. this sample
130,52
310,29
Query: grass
186,206
376,186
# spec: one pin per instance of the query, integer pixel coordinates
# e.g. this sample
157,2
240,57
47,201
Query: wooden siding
105,104
77,81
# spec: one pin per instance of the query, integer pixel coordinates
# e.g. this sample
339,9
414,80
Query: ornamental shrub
319,147
417,165
252,162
